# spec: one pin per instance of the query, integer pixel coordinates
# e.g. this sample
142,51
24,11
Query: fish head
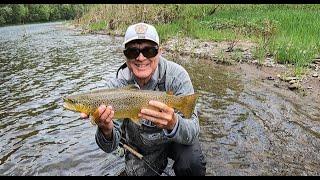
73,104
69,103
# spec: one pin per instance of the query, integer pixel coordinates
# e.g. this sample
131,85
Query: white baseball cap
141,31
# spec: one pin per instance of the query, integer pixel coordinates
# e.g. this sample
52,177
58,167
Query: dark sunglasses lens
149,52
131,53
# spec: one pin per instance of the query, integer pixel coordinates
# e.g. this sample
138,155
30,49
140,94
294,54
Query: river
248,127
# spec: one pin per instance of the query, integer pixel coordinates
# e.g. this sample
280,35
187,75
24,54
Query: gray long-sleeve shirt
147,138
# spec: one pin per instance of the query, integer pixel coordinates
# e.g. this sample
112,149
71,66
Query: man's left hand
164,118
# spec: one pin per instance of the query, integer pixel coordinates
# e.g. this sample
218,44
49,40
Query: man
164,133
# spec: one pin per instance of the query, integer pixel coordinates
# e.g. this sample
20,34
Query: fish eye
69,100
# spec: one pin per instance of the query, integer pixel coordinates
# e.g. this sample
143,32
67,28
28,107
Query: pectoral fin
95,116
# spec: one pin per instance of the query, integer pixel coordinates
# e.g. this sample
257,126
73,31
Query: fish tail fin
187,104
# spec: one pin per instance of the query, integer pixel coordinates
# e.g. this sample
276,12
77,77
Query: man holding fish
162,130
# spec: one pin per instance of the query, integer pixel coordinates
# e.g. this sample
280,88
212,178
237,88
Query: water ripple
37,136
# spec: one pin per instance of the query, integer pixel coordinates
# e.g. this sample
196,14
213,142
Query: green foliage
294,52
289,32
259,53
98,26
6,14
21,13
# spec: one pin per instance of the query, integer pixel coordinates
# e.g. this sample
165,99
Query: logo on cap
141,30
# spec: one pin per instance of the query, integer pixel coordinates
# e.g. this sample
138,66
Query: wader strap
123,131
124,65
162,82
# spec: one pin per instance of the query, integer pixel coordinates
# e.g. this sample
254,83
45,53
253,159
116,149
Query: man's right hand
104,122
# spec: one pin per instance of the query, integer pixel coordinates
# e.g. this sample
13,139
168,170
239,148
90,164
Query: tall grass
297,36
123,15
291,33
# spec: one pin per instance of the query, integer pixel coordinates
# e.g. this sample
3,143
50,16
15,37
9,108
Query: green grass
291,33
296,35
97,26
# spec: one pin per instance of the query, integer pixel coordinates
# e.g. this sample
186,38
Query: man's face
143,67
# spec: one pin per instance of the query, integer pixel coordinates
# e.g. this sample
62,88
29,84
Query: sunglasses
133,52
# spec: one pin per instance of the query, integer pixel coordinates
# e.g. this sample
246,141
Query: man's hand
105,120
165,118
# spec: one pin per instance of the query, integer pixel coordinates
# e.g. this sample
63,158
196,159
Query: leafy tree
19,13
24,13
6,14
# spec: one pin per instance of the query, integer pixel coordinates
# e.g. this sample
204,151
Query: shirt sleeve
173,132
187,130
109,145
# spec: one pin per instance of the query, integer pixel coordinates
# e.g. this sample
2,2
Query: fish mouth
68,104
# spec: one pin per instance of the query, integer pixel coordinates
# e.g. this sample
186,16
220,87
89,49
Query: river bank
282,76
288,32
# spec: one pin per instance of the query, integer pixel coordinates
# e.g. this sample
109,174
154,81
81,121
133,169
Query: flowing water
247,127
40,63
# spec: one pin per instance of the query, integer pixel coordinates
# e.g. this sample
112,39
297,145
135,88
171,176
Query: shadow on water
248,127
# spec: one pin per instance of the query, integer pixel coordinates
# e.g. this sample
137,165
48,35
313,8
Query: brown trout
127,102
